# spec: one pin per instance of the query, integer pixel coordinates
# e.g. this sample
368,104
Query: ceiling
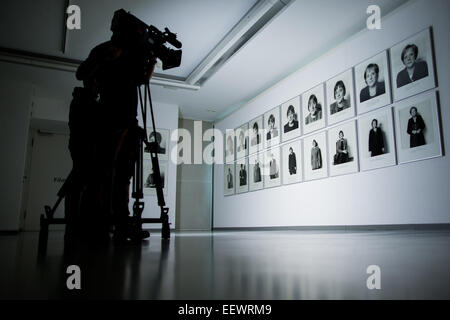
301,32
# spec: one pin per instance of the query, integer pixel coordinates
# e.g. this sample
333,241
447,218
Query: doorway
49,168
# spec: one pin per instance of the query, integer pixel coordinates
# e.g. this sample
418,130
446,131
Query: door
50,166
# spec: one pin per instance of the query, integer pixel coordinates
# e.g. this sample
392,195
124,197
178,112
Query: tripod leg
165,232
135,225
159,187
43,236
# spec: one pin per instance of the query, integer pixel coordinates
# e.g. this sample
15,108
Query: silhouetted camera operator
84,150
114,70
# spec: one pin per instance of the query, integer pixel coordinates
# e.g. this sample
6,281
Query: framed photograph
373,83
290,119
272,127
241,174
340,99
412,65
313,107
291,155
343,151
229,146
241,135
149,177
228,179
315,156
376,140
417,128
256,167
162,136
272,168
255,130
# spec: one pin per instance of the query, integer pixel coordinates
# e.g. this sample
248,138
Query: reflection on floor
234,265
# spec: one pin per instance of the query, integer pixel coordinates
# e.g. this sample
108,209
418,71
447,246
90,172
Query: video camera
148,41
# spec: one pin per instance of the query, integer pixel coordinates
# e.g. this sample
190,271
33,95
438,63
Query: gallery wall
194,185
15,105
410,193
49,93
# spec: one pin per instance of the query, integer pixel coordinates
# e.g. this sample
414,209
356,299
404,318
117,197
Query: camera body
148,42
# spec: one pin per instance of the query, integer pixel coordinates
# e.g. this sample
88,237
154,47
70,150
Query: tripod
135,221
137,194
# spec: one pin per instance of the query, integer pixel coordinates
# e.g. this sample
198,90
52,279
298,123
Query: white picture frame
272,168
423,77
229,179
229,146
256,171
290,119
409,148
272,129
340,109
373,83
291,156
241,134
163,135
314,110
347,161
148,186
377,147
256,135
315,157
241,175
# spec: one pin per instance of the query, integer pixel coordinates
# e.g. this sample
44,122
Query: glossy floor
234,265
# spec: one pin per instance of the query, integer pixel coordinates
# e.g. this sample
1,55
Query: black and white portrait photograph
256,167
341,103
315,161
272,168
229,146
291,155
272,130
412,65
313,107
242,175
162,137
417,128
376,139
149,177
255,133
290,119
241,135
372,83
228,178
343,151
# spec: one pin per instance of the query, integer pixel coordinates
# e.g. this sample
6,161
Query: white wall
194,192
412,193
15,106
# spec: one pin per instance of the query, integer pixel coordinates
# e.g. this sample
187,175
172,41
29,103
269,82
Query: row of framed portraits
162,137
404,70
371,141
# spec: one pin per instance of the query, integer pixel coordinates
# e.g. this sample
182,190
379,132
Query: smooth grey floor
234,265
